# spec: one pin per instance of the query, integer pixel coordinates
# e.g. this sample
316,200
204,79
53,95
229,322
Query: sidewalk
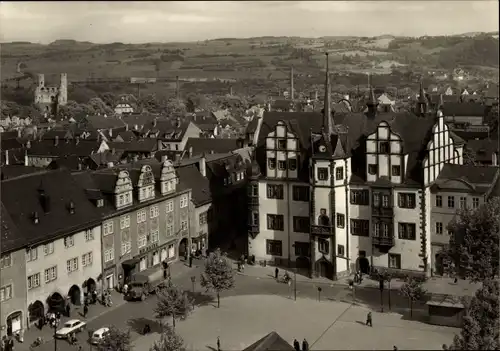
95,311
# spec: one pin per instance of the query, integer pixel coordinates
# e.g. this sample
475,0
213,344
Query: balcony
253,230
321,230
253,201
383,241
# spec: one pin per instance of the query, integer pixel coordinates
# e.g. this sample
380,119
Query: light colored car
98,335
71,326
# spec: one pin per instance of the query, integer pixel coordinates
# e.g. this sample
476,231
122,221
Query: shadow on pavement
360,322
211,348
201,299
137,325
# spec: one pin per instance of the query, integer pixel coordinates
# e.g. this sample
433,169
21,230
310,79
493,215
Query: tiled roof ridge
22,176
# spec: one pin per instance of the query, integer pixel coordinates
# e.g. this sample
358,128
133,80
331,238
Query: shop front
199,244
153,255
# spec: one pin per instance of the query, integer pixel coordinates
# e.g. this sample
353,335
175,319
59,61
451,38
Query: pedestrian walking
68,310
296,345
218,344
369,319
395,348
20,336
305,345
125,287
455,280
276,273
85,310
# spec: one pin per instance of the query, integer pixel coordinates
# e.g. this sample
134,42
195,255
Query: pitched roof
101,122
10,144
483,149
463,109
171,130
127,136
13,171
270,342
81,148
103,158
142,145
470,173
201,145
139,119
191,177
22,197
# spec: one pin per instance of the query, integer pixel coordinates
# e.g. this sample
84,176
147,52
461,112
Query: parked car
98,335
71,326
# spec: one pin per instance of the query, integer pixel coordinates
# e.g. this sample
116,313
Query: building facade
45,96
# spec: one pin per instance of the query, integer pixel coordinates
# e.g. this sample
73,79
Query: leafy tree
196,102
108,98
172,302
218,275
99,107
474,245
169,341
115,340
413,290
175,107
481,327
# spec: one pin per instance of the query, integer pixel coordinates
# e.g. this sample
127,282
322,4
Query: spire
327,117
372,102
422,101
292,91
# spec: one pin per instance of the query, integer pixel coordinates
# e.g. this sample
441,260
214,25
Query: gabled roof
142,145
101,122
14,171
469,109
48,148
10,144
170,130
483,149
191,177
201,145
127,136
103,158
270,342
475,175
139,119
21,198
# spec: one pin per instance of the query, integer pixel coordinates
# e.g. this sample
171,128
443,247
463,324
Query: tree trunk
173,321
411,308
218,300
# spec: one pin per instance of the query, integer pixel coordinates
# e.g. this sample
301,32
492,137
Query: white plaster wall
358,243
59,258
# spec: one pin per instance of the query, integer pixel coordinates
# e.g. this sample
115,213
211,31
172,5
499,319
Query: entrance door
143,264
164,254
109,281
323,269
14,323
364,265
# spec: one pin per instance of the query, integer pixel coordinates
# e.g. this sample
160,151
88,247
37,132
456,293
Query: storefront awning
130,263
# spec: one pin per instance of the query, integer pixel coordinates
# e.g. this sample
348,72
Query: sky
167,21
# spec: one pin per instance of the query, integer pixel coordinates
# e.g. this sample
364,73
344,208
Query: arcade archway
183,246
56,303
36,310
74,295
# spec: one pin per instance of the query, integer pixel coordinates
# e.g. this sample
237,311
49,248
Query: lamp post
319,293
54,323
295,284
193,280
381,287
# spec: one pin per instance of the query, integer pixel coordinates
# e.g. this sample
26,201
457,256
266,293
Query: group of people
305,345
7,344
286,278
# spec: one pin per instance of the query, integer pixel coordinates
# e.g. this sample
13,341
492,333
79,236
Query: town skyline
142,22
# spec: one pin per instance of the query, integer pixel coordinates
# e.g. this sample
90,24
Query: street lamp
295,284
381,287
319,293
193,280
54,323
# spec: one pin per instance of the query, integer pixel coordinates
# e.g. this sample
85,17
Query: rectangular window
170,230
376,229
87,259
34,281
385,201
360,197
5,293
154,212
275,222
300,193
32,254
439,228
396,171
271,162
292,164
169,207
406,231
376,200
6,261
301,224
50,274
281,165
359,227
48,248
463,203
255,218
475,202
323,246
339,173
203,218
253,190
384,147
385,229
372,169
142,241
341,250
107,228
439,201
89,235
184,201
275,191
406,200
450,231
72,265
395,261
126,247
109,255
69,241
301,248
141,216
340,220
274,247
124,221
282,144
155,236
451,201
322,173
184,224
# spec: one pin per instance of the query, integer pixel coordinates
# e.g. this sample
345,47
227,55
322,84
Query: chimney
164,158
111,132
19,134
190,151
77,140
177,157
6,158
113,151
203,165
177,88
212,152
154,122
315,95
126,127
45,201
292,91
36,219
110,164
178,122
71,207
28,144
231,90
56,140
